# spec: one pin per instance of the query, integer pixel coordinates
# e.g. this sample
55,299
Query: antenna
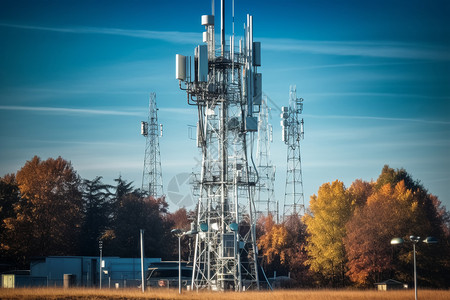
222,27
232,9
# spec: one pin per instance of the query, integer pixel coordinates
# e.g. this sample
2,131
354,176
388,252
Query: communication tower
265,199
152,175
226,88
292,133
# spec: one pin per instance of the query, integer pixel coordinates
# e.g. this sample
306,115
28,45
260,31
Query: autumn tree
328,213
47,218
264,224
359,191
398,206
283,248
389,212
274,244
181,219
297,254
391,176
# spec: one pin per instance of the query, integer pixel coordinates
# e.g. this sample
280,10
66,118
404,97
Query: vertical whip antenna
222,27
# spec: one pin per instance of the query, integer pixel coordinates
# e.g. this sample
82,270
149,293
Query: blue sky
75,78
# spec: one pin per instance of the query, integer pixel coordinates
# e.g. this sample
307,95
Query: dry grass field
59,293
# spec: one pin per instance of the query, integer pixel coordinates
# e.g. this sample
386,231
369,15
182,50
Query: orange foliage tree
181,219
47,217
389,212
283,248
274,243
397,207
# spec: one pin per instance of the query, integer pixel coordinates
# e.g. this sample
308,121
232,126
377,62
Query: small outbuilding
390,284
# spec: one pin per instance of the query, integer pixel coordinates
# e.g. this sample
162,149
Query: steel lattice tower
265,199
226,89
152,176
292,133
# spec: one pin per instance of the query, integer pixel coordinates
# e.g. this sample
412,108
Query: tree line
47,209
343,239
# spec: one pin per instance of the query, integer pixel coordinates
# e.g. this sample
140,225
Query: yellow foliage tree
328,213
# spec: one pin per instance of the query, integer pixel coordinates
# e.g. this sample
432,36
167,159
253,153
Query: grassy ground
59,293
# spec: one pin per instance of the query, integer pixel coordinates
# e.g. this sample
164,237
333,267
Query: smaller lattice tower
265,198
152,176
292,133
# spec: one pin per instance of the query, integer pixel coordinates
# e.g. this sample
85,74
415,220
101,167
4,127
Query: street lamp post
414,240
179,233
142,259
100,246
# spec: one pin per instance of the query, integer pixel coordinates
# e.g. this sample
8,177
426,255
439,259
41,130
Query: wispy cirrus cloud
69,111
379,94
168,36
415,120
344,66
382,49
177,110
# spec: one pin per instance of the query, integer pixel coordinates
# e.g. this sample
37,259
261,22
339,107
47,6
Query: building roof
389,282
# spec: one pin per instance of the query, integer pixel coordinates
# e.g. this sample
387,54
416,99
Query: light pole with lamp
100,246
179,233
414,240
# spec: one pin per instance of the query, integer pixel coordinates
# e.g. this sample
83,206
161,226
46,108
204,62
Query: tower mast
152,176
226,89
292,133
265,198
